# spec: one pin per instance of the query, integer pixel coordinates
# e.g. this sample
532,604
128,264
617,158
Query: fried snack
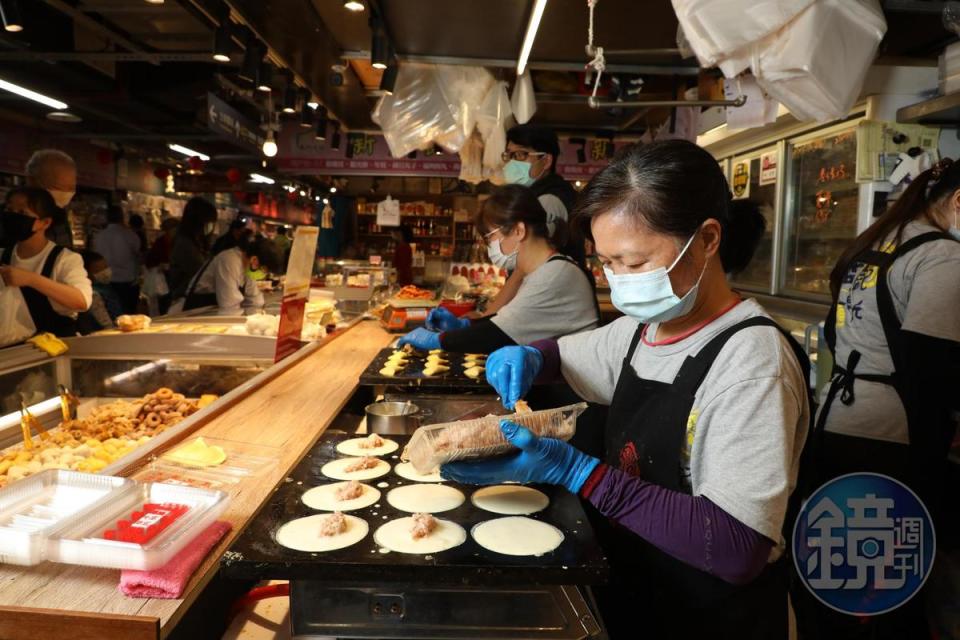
411,292
361,464
133,322
334,524
521,406
350,491
423,525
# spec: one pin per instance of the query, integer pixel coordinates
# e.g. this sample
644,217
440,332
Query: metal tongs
68,403
29,422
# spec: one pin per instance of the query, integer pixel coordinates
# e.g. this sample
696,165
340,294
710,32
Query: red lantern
161,173
292,196
234,175
196,164
104,156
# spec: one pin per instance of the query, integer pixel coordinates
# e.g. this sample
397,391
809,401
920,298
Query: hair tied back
940,167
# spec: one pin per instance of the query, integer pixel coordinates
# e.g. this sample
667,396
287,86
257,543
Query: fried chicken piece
423,525
334,524
361,463
350,491
372,441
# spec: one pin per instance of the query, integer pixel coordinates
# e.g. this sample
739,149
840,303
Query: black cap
536,137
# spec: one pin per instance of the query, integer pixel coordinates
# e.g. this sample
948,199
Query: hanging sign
741,180
296,289
768,169
388,212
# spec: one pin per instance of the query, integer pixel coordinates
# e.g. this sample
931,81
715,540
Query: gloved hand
442,319
511,371
422,339
545,460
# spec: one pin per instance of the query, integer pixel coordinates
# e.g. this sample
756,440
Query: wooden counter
290,411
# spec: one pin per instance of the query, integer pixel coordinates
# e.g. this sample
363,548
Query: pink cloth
170,580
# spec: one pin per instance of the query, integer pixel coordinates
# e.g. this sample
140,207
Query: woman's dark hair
924,193
136,221
743,232
671,187
263,249
512,203
196,213
406,233
38,200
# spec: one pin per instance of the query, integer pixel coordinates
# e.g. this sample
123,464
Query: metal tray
412,375
256,555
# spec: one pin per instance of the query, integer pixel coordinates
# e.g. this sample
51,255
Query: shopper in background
120,246
894,330
56,172
51,284
105,305
231,238
282,243
223,279
403,254
157,262
190,248
137,226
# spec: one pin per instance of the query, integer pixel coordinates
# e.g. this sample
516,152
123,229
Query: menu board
757,275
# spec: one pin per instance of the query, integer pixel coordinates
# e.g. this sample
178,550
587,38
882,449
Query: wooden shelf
941,111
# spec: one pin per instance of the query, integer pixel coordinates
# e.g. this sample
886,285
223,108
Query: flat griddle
412,375
256,555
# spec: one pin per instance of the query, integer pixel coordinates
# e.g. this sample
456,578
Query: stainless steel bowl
392,417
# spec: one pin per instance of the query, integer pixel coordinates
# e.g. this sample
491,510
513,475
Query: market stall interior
265,196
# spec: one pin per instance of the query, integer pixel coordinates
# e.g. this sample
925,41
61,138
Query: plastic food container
243,460
436,444
459,308
87,542
33,509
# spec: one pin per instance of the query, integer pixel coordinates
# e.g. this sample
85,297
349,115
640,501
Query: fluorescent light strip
534,24
33,95
38,409
190,153
259,179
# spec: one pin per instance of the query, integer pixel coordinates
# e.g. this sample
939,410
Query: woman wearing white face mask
191,245
556,297
708,411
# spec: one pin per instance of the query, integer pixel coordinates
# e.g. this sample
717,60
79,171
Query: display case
764,178
822,209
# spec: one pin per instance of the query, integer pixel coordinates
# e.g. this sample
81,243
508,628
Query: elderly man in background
56,172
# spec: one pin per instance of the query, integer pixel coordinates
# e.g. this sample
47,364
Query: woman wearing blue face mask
708,410
555,297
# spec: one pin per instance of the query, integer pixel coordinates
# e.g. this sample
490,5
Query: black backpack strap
51,260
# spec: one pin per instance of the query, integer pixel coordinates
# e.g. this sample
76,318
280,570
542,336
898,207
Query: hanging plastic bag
11,330
492,119
388,212
759,109
522,102
417,114
471,159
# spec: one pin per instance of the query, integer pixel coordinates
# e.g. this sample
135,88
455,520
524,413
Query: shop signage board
741,179
226,121
768,169
363,154
296,290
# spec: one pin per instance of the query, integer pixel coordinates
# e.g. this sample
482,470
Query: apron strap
634,342
44,317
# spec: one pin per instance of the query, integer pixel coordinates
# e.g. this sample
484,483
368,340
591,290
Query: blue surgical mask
499,258
518,172
649,296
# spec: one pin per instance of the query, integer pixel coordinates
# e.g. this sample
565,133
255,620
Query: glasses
520,154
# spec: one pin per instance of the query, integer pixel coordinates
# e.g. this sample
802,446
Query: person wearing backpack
894,331
708,410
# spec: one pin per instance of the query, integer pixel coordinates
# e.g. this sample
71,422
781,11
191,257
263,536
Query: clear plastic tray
84,543
243,460
170,474
435,444
33,509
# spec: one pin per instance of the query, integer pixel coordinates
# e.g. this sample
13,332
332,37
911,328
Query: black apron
45,319
652,594
194,300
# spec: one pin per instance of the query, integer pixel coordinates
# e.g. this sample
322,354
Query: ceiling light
532,26
389,79
335,138
64,116
222,42
333,189
265,77
353,5
303,193
10,13
290,99
317,198
320,134
261,179
326,201
190,153
269,145
306,116
380,50
250,68
313,104
33,95
154,1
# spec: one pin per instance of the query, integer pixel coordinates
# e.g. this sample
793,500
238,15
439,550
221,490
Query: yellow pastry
473,372
388,371
198,454
434,369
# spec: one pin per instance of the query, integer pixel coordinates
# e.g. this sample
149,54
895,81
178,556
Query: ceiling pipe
87,22
594,103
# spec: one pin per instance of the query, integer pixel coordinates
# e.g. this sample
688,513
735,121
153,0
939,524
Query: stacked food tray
256,554
413,375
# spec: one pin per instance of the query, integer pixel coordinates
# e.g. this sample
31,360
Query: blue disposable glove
442,319
545,460
422,339
512,370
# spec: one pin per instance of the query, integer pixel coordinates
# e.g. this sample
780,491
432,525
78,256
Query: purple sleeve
689,528
550,372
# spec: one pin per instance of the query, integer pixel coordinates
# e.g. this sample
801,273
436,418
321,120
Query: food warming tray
256,555
412,375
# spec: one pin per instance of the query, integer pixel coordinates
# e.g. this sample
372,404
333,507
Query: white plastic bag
492,119
760,109
11,330
471,160
522,101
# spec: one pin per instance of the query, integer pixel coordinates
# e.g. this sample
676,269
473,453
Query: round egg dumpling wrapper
324,498
336,469
303,534
517,536
396,536
510,499
407,471
352,447
425,498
